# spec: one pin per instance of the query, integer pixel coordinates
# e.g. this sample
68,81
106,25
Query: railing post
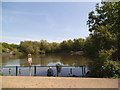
19,71
35,70
30,70
57,73
82,71
16,70
9,71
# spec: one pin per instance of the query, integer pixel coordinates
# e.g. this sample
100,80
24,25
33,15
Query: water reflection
46,60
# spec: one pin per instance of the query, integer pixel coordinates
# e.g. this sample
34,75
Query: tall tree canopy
104,40
104,26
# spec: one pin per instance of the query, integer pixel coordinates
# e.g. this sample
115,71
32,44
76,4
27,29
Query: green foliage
64,46
104,66
104,42
104,27
1,74
90,48
35,47
54,47
78,44
72,45
10,48
105,54
111,69
29,47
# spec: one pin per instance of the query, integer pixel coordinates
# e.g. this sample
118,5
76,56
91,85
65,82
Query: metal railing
35,69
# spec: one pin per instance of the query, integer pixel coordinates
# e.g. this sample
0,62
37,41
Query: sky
51,21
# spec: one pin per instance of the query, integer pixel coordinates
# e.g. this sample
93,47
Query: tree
44,45
64,46
78,44
104,27
14,48
27,47
54,47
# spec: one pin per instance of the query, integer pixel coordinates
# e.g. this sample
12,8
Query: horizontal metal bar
37,66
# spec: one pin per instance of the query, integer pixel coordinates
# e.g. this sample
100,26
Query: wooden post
30,69
30,61
35,70
16,70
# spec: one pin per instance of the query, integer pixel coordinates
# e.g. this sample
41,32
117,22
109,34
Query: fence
78,71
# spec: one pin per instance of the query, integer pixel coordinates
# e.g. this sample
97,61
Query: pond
45,60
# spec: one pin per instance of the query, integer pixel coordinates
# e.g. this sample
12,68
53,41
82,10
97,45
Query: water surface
45,60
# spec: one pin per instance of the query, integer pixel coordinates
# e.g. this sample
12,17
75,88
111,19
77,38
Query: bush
111,69
104,66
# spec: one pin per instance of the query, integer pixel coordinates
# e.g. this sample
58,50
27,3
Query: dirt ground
57,82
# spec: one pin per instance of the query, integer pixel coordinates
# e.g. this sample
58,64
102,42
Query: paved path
57,82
